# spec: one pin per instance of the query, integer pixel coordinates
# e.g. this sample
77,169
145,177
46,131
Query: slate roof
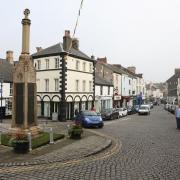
124,70
101,81
175,76
6,70
57,49
116,69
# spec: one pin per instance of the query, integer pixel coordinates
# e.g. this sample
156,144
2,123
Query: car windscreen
89,113
143,107
120,109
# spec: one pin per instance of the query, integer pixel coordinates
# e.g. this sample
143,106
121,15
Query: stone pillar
80,105
42,108
24,87
72,110
25,32
51,108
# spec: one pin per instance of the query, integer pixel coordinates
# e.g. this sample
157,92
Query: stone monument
24,87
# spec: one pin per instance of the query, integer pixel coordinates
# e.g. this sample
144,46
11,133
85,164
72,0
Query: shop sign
116,98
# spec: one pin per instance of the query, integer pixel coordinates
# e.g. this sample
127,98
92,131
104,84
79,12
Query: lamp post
1,91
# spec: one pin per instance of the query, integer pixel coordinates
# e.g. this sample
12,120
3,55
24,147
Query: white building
155,91
65,79
103,93
6,70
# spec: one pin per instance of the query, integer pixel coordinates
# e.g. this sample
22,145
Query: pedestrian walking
177,114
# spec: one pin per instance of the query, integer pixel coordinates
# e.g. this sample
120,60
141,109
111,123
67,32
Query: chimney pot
9,56
67,33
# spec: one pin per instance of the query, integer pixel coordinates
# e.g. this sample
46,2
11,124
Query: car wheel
112,117
100,126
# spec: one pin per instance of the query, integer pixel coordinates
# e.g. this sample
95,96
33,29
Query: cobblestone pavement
62,150
148,148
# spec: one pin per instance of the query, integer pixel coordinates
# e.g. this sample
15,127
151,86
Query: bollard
51,139
44,126
30,141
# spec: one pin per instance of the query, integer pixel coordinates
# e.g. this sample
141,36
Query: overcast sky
141,33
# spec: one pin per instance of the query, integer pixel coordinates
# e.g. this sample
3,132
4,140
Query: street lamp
1,91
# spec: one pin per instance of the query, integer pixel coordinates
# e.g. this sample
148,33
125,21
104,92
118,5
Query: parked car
122,111
89,119
155,103
131,110
110,114
151,105
167,106
144,109
172,108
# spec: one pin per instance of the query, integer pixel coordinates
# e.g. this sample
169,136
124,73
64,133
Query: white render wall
105,91
105,99
125,85
43,62
134,86
5,93
6,90
81,75
71,64
42,75
117,82
49,74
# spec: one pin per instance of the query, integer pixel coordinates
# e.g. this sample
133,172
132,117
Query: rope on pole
77,20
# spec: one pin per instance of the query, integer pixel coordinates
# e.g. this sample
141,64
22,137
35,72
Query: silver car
144,109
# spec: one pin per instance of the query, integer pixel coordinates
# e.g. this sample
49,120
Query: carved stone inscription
19,88
31,87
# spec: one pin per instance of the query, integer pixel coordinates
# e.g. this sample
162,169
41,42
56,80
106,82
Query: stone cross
26,13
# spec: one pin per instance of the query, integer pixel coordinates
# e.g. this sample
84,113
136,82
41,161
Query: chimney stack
75,43
39,49
67,41
9,56
177,71
102,60
132,69
92,57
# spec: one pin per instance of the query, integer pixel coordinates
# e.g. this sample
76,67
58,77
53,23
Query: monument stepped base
35,130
